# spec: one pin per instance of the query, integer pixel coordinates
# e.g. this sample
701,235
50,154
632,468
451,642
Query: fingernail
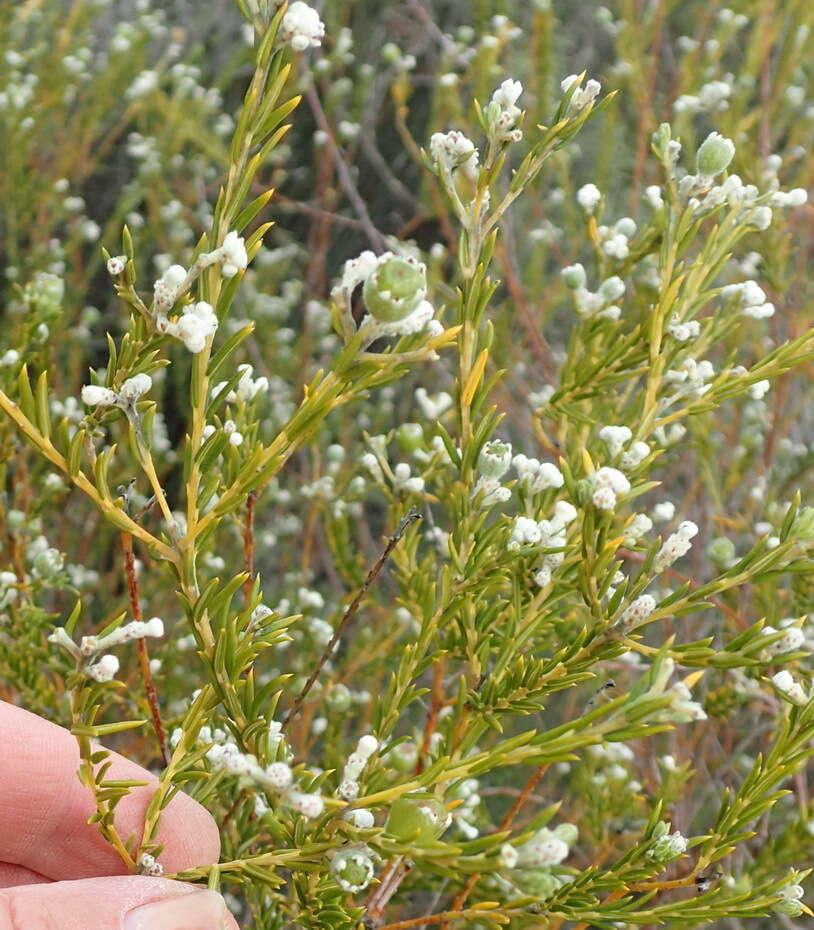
201,910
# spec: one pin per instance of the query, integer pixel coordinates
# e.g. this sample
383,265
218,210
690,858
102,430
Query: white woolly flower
104,670
588,196
608,484
406,481
507,95
167,288
96,396
248,387
453,149
664,511
525,532
676,545
637,453
134,387
433,406
536,476
668,847
789,688
640,525
615,438
195,325
683,332
116,265
581,96
357,270
414,322
232,253
301,27
638,610
503,111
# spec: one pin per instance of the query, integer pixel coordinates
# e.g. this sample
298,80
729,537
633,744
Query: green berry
395,288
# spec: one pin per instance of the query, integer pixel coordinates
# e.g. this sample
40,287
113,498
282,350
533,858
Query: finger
11,875
127,902
44,809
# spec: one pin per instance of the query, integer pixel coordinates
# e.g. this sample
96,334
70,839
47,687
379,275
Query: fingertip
189,835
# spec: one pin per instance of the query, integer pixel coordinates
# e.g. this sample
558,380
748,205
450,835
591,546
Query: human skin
56,870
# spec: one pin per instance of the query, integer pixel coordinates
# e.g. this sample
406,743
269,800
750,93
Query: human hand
56,870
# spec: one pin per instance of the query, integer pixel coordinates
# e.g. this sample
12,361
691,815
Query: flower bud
573,277
714,155
414,820
410,436
494,459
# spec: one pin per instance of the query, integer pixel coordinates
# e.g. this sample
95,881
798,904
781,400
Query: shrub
469,509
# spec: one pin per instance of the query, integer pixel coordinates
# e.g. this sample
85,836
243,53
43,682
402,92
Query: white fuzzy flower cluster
608,485
467,792
276,778
503,113
433,406
792,640
116,265
229,428
536,476
194,326
683,330
692,377
668,846
452,150
545,848
357,760
616,438
149,865
8,588
676,545
751,298
247,388
301,27
167,289
683,709
713,97
615,240
588,196
406,481
791,689
132,389
638,526
493,462
664,511
106,666
198,321
232,254
638,611
601,303
553,536
581,96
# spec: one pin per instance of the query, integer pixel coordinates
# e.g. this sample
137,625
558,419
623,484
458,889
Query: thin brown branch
445,916
375,238
248,545
141,646
526,792
352,608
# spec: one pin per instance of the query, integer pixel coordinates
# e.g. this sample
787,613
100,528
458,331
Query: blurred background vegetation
116,113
